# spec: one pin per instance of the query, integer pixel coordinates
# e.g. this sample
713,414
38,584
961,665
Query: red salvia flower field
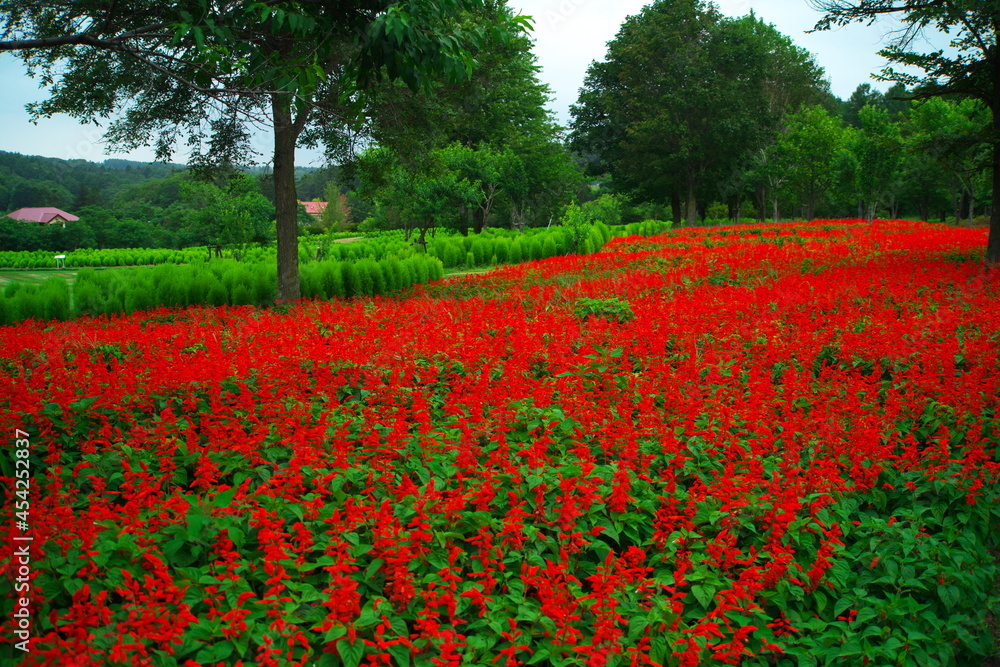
780,449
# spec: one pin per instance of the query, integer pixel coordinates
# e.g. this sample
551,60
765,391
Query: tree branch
62,40
85,39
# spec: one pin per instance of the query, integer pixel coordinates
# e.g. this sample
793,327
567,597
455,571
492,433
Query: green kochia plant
580,223
47,301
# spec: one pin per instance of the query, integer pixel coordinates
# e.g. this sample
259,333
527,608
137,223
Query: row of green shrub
42,259
492,246
48,301
644,228
470,252
217,283
364,268
366,277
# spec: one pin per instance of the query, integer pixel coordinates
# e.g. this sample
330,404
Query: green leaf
401,654
540,655
350,653
215,653
704,594
195,523
224,498
821,601
335,633
840,606
950,595
237,536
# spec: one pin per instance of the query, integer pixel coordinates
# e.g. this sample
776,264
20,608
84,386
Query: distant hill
32,180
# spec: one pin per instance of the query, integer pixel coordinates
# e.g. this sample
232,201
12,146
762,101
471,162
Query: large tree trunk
692,203
675,207
286,203
957,202
924,208
993,242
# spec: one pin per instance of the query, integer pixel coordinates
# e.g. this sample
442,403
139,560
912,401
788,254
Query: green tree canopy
684,95
969,68
204,71
810,145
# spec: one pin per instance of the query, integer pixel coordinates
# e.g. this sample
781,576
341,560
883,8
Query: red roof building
314,207
45,216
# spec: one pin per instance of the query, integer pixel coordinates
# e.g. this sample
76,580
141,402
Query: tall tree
810,144
207,69
495,122
952,134
971,67
877,148
863,96
686,93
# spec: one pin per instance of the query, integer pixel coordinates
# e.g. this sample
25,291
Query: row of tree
692,107
931,161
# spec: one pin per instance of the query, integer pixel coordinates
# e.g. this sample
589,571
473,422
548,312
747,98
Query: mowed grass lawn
36,276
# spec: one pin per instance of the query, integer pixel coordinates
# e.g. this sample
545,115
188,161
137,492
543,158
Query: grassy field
36,276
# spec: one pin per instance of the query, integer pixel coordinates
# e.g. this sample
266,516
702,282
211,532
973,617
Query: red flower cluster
476,473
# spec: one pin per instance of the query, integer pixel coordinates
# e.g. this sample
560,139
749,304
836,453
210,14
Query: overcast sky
569,35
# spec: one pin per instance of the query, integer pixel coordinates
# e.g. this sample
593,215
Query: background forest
693,117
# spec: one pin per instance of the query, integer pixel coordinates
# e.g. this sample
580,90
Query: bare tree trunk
675,207
286,203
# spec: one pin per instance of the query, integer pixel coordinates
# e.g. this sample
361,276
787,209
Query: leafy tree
951,134
488,169
686,94
337,215
768,173
205,69
971,67
877,148
501,99
416,200
863,96
233,216
492,127
810,144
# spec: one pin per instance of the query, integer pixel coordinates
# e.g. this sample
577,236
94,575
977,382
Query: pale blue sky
569,34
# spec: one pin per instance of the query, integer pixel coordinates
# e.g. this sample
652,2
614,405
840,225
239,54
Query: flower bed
770,445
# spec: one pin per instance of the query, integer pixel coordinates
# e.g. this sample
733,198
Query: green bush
609,309
242,295
87,297
549,247
217,295
516,251
331,279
